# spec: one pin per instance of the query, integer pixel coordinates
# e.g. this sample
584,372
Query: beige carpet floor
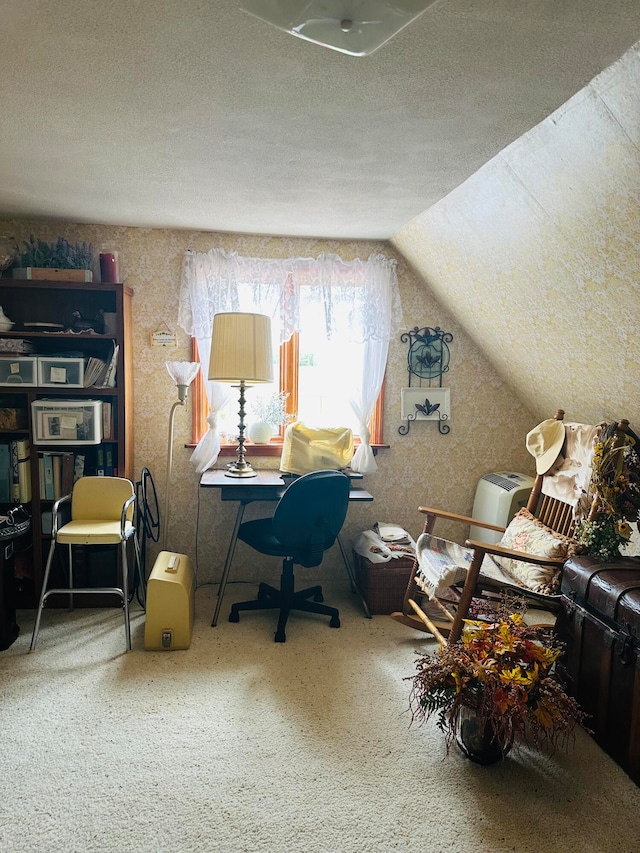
242,744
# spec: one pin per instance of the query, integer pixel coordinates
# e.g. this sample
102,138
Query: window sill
274,448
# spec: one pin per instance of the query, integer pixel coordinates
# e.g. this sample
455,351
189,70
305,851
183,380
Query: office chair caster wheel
335,622
234,616
280,637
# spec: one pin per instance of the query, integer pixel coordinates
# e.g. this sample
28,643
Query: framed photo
61,425
425,404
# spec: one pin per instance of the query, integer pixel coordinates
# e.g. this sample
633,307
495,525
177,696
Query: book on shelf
56,461
108,461
41,476
94,371
48,476
108,378
68,465
100,461
58,472
78,466
5,473
107,422
24,470
15,476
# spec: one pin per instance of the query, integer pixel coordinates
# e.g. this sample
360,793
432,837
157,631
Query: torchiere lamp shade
241,348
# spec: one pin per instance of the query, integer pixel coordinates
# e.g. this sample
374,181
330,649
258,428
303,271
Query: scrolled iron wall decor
427,360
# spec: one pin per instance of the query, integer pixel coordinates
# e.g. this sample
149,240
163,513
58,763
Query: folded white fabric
391,532
441,563
368,544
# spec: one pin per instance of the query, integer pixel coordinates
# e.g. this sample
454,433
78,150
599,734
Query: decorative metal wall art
427,360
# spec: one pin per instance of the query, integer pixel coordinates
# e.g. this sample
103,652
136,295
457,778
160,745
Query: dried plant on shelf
59,255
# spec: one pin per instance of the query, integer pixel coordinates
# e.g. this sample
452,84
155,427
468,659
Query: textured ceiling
191,114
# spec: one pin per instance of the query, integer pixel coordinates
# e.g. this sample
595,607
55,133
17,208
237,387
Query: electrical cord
147,526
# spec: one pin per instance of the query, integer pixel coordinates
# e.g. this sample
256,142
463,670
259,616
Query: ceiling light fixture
355,27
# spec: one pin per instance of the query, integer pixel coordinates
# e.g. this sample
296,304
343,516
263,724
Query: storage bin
53,372
19,370
67,421
383,585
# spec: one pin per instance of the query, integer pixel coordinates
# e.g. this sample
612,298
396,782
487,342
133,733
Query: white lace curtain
358,300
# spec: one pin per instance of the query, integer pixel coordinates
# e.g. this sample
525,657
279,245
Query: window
306,379
331,320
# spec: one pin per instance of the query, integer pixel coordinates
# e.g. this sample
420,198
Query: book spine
24,469
68,464
48,477
56,460
15,476
41,476
78,466
108,461
100,461
24,479
106,421
5,473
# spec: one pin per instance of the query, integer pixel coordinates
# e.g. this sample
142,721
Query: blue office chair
306,522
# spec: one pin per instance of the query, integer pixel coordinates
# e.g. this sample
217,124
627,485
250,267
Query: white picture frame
425,404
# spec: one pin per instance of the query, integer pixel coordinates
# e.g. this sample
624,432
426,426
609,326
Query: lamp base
240,468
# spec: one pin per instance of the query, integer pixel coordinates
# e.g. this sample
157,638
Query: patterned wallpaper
536,255
488,423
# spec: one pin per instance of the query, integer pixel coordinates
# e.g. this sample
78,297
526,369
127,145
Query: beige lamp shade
241,348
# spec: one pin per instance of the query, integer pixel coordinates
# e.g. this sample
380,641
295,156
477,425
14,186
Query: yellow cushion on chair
90,532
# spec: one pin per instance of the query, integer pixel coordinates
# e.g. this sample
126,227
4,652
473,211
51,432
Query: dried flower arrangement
615,481
503,670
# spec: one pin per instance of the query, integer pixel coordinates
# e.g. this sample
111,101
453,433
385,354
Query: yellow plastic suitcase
170,603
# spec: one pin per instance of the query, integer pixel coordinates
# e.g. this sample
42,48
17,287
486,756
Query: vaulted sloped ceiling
538,254
191,114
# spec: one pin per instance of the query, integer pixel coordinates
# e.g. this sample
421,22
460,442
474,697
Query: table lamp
183,373
241,354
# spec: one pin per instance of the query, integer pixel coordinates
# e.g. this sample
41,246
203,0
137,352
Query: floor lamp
183,373
241,354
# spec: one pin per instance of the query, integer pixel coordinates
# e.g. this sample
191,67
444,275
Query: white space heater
498,498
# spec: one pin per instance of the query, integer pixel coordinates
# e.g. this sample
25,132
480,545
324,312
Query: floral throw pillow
526,533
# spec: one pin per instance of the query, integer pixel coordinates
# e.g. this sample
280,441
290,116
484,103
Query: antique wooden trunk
599,621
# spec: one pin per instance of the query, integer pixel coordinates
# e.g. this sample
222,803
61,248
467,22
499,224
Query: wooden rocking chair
449,608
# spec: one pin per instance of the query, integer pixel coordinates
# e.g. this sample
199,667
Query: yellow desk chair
101,514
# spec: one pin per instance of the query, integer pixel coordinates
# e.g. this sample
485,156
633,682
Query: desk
267,485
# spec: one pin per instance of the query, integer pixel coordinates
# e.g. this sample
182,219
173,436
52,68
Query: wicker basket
383,584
